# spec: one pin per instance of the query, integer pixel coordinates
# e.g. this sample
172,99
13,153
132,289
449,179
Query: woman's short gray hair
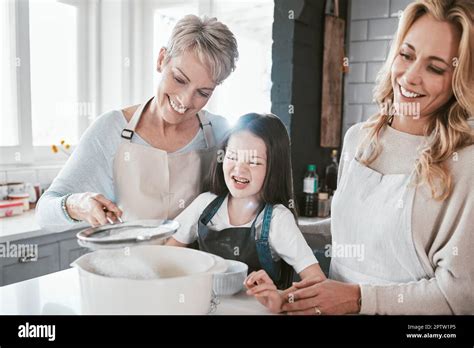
212,41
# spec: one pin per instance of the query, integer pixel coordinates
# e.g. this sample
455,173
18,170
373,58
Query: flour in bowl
121,266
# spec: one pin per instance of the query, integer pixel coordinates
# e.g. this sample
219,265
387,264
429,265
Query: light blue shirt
90,167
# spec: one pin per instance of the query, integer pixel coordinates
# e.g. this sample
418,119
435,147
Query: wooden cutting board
331,108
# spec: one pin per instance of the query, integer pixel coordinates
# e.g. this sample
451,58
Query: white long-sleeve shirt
442,232
90,167
285,238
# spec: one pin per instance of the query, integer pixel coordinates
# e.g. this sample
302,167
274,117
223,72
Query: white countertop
19,227
25,226
59,294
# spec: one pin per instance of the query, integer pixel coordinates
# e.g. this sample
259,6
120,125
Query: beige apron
371,231
153,184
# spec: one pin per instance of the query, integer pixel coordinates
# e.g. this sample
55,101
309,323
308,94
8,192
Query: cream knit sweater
443,232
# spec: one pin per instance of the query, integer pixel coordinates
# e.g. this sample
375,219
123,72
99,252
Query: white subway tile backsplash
353,113
381,29
363,9
368,51
372,26
398,5
358,30
356,72
361,93
369,110
372,71
21,176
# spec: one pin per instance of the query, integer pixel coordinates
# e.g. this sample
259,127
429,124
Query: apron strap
214,206
127,132
211,210
206,127
204,124
280,272
267,218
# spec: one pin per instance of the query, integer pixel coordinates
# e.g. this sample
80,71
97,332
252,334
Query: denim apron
239,243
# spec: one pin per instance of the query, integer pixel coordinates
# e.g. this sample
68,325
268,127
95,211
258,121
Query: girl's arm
174,242
260,285
312,272
287,240
188,221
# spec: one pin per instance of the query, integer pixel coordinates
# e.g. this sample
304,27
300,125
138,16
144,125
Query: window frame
26,154
21,153
103,80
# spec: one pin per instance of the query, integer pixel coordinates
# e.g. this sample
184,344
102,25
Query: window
54,70
248,88
41,76
64,62
9,131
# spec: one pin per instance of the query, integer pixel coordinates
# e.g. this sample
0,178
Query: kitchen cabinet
16,269
70,250
46,254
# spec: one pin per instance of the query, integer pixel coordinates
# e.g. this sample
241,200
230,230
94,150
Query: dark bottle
331,173
310,189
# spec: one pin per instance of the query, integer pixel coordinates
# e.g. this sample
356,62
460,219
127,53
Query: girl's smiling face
423,69
245,165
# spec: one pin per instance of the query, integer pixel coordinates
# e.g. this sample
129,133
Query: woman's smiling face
185,87
422,71
245,165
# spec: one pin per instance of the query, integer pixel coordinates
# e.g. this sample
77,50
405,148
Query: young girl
248,214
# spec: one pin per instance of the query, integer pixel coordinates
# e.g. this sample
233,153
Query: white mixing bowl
184,285
231,281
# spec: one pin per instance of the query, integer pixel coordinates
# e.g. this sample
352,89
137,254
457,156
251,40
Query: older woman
148,161
406,182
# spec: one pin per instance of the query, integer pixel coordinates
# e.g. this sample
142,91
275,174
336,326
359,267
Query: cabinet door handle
28,258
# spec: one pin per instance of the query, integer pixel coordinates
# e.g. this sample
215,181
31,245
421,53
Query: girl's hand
173,242
260,285
288,294
329,296
93,208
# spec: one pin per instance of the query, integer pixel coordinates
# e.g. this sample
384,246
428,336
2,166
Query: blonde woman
148,161
405,197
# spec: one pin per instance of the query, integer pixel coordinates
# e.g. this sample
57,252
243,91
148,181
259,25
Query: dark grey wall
282,60
297,75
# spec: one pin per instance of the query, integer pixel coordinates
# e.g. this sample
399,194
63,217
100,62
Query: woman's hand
260,285
327,296
93,208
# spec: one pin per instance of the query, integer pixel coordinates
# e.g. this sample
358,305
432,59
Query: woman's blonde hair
211,40
448,130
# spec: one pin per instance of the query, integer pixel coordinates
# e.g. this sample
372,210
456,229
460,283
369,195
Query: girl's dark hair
278,184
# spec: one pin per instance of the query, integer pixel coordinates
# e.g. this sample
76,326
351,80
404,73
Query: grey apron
239,243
